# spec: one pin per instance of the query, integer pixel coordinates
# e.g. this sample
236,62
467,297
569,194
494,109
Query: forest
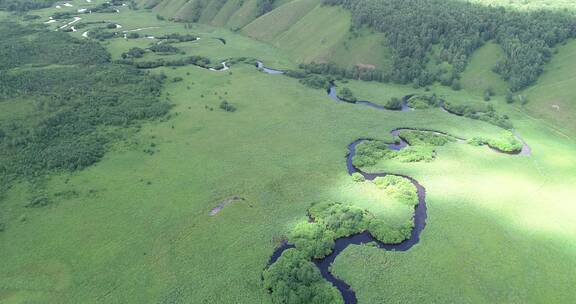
422,34
74,101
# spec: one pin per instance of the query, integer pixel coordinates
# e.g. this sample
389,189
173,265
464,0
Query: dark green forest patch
79,97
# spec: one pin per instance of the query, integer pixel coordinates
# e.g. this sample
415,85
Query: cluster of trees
505,142
176,37
425,101
101,33
134,52
370,152
104,8
165,49
293,278
485,112
346,94
264,6
200,61
226,106
349,73
398,187
25,5
421,32
415,137
394,103
49,47
315,81
75,102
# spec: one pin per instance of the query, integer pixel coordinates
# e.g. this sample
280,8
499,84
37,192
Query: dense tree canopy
423,34
76,93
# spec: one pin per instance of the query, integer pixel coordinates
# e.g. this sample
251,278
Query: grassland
500,227
479,77
552,99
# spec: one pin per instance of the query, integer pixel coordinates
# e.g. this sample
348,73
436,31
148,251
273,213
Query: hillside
288,26
553,98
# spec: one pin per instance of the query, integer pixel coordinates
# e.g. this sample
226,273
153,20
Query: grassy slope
288,27
169,8
244,15
224,14
556,88
479,76
306,45
274,23
367,47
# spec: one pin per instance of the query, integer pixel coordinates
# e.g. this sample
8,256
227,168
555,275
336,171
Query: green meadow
136,226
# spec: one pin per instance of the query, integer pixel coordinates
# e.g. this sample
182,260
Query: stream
420,210
365,237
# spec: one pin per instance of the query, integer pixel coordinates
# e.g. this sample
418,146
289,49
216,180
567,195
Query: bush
346,95
424,101
133,35
509,97
343,220
358,177
399,188
369,152
388,234
294,279
164,48
393,104
316,81
313,239
226,106
427,138
134,52
505,142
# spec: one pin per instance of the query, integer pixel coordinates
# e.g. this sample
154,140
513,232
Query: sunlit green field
500,228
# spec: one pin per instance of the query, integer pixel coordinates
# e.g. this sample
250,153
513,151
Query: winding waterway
420,210
365,237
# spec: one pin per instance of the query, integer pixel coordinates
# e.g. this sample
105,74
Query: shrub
424,101
388,234
346,95
369,152
164,48
294,279
399,188
343,220
505,142
393,104
413,154
226,106
38,202
316,81
313,239
415,137
358,177
134,52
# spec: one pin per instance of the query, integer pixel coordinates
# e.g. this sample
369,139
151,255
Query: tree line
425,33
79,99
